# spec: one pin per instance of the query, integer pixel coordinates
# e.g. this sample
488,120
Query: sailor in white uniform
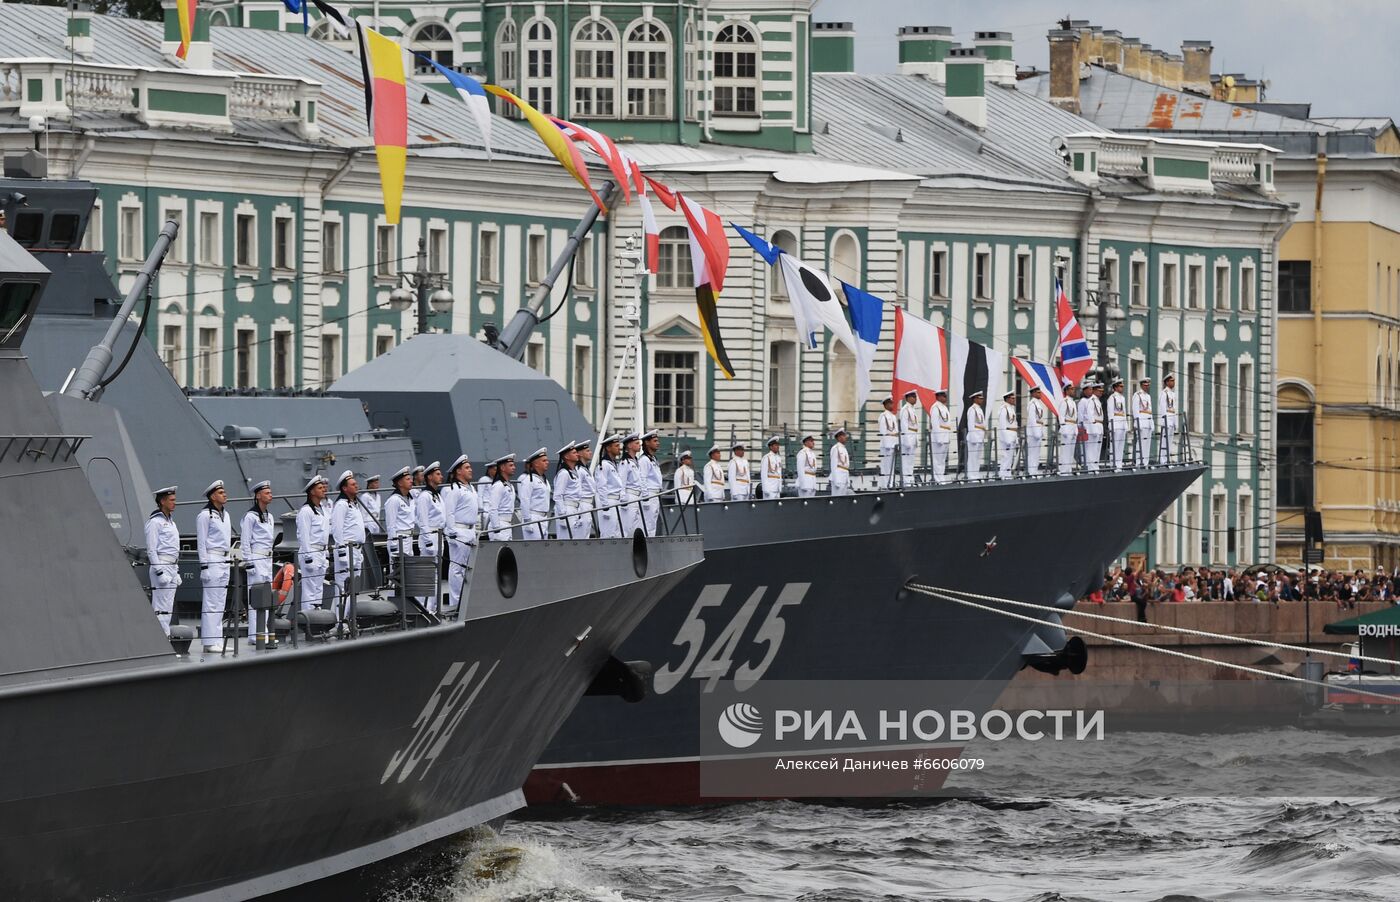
1036,425
910,426
374,506
532,489
349,534
462,512
683,480
976,433
631,474
214,537
1069,429
608,489
770,478
808,462
257,535
313,535
1166,403
163,551
483,494
502,504
420,476
399,518
738,474
1091,419
889,441
430,516
1142,422
653,483
942,428
1008,434
716,477
840,457
568,499
1117,423
587,490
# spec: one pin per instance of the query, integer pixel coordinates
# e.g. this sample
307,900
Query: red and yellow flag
564,150
386,107
185,10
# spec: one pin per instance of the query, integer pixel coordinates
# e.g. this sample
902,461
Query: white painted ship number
715,664
439,718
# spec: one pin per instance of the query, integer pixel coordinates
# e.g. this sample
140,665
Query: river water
1012,844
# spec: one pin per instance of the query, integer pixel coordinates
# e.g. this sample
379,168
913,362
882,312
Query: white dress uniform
1118,426
313,533
256,534
771,478
462,517
684,482
1069,433
1166,403
739,489
1091,418
976,439
587,499
348,531
609,495
502,510
1142,421
163,550
1035,435
653,483
840,479
808,462
630,513
715,481
399,520
910,424
214,532
889,440
568,501
483,494
941,432
535,501
374,512
1008,430
430,516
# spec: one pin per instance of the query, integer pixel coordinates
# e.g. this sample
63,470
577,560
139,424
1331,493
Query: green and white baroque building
942,188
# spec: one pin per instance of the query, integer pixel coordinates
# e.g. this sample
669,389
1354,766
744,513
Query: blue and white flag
472,94
814,304
1042,376
769,252
867,318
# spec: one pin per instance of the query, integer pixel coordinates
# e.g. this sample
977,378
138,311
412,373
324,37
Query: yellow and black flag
709,259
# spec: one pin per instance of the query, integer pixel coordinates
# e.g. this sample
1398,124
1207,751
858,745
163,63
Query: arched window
845,259
692,73
507,65
736,72
648,71
434,41
218,17
673,259
1294,448
788,243
539,66
595,69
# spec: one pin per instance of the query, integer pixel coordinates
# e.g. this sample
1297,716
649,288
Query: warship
132,770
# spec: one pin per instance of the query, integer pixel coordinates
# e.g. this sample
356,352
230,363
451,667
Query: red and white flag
604,147
920,357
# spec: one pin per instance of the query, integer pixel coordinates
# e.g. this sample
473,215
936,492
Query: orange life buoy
282,581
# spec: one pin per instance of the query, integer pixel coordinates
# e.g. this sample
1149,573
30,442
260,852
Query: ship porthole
875,510
639,554
507,573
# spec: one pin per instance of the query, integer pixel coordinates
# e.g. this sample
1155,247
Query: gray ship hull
830,573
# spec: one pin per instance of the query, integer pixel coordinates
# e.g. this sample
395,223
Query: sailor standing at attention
1091,420
374,505
1035,431
348,532
313,532
533,491
808,462
430,516
608,490
715,476
941,430
257,536
163,551
214,533
503,500
587,489
462,515
889,440
653,483
1008,434
976,433
631,474
1069,429
483,493
1166,403
1142,421
399,519
840,480
684,479
568,500
1117,423
738,474
910,425
771,478
420,476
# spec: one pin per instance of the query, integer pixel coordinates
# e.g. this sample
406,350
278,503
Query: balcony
1170,165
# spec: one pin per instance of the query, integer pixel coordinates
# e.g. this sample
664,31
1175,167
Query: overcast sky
1341,55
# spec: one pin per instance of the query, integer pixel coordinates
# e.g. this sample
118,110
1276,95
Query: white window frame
698,374
734,52
1244,396
778,291
581,385
208,325
1248,288
1222,279
674,273
173,355
1195,285
507,71
440,50
92,237
692,72
983,277
331,264
1169,294
129,245
488,266
246,326
439,249
385,340
538,80
279,331
209,253
939,276
289,264
331,363
176,255
1024,281
384,262
536,256
1220,395
647,95
1137,282
250,213
596,70
583,263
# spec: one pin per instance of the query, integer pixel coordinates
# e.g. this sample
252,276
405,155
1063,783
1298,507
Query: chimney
1094,52
201,52
833,47
1064,69
1081,28
1132,57
966,93
79,38
1171,71
922,49
1113,49
1155,59
997,48
1195,71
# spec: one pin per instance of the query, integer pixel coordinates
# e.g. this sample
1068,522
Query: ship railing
60,448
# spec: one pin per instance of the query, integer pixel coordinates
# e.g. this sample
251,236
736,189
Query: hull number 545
714,662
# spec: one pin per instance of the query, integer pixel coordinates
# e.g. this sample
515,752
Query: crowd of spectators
1261,584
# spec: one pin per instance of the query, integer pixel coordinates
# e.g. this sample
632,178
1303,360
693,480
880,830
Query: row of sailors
737,478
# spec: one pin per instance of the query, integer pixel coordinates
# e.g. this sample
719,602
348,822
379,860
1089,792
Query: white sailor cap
715,449
505,458
1035,389
612,439
344,478
435,465
1009,393
260,485
1171,376
839,432
213,487
375,478
1117,382
650,433
168,490
686,455
539,452
584,444
911,394
311,483
774,440
940,391
400,473
631,437
977,394
419,469
738,446
1144,381
889,399
809,437
568,446
461,459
